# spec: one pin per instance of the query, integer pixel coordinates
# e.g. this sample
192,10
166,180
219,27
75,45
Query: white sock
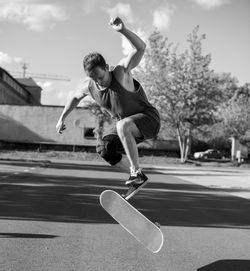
134,172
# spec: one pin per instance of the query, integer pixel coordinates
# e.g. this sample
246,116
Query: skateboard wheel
158,224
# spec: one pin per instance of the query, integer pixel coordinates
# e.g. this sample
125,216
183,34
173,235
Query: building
22,91
37,124
23,119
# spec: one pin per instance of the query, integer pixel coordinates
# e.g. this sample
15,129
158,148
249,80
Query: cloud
18,60
55,93
46,86
121,9
126,46
34,15
59,92
208,4
6,59
162,17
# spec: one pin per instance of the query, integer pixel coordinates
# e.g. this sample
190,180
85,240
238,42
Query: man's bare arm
139,46
70,105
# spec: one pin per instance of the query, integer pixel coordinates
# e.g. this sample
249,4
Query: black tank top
120,102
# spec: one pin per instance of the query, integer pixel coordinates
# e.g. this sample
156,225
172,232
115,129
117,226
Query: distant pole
24,69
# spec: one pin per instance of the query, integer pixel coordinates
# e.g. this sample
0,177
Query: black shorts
110,147
148,125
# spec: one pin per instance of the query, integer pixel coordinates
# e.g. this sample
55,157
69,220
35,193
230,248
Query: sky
52,37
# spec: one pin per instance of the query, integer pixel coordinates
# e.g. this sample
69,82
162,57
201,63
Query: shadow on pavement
40,197
27,235
227,265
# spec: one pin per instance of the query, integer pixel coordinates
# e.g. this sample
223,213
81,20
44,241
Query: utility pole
24,69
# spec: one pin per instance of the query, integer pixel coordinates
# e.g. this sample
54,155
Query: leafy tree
234,114
213,135
180,85
227,84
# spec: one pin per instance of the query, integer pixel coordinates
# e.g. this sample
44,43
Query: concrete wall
21,123
37,124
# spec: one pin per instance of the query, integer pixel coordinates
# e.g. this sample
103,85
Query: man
123,96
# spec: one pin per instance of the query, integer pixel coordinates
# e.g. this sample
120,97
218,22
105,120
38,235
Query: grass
90,156
79,156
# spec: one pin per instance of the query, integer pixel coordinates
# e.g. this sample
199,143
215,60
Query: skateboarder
118,92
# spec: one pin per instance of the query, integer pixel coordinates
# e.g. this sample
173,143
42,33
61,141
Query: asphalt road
51,219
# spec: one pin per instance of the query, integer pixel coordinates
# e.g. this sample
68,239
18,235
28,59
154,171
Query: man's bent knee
127,126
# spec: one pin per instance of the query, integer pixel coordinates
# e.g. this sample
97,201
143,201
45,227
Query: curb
147,167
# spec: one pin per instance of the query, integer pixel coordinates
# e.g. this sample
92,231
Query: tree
180,85
213,134
234,114
227,85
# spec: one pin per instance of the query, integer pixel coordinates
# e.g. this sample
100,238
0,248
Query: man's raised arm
139,46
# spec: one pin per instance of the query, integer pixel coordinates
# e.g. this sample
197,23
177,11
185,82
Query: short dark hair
93,60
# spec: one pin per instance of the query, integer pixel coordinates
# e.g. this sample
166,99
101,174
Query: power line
42,76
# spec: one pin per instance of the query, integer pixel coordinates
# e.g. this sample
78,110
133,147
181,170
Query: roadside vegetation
196,103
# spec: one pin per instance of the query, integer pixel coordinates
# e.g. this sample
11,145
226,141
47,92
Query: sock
134,172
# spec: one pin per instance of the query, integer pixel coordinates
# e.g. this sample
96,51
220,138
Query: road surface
51,219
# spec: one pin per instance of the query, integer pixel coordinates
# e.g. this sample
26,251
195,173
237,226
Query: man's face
100,76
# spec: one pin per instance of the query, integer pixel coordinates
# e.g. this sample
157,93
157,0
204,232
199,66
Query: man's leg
110,149
123,165
127,132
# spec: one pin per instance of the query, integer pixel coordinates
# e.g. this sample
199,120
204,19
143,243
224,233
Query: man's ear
107,67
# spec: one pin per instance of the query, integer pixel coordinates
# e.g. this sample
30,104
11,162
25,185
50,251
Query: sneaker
135,187
136,177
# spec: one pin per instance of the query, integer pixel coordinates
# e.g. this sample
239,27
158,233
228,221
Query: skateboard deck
134,222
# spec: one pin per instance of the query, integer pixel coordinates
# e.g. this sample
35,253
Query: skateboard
134,222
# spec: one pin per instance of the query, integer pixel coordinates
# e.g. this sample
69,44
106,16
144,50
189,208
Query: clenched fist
117,24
